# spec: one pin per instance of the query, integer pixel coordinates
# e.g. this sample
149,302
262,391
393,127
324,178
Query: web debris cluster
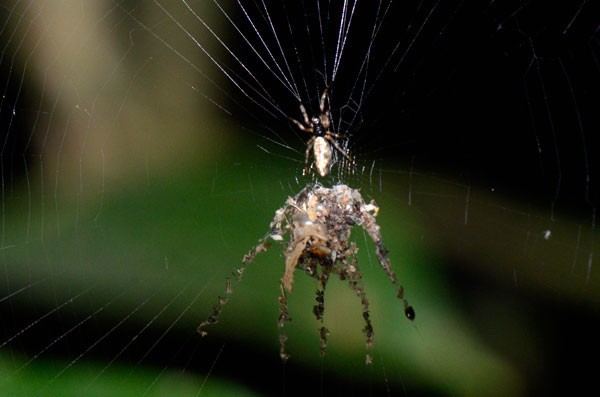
319,222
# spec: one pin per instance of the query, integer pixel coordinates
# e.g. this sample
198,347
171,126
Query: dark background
502,95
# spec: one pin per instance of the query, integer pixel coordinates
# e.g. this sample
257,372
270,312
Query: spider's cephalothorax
322,140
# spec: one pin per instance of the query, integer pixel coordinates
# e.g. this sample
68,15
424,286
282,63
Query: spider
319,221
322,140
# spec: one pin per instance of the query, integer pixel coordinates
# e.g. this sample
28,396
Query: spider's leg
309,146
304,114
322,279
319,308
339,148
381,254
354,280
238,273
301,126
368,329
372,228
337,136
323,98
283,317
325,115
323,334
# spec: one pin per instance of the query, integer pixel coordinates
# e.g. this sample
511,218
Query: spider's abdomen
322,153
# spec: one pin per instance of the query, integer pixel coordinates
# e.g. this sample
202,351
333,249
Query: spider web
146,146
